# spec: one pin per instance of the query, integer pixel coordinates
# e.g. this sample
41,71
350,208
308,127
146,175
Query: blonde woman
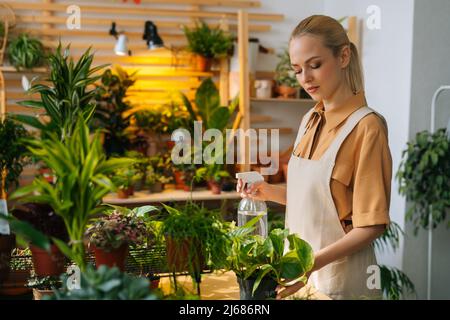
339,174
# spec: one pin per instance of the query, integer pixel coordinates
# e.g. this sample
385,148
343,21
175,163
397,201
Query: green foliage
211,172
109,114
208,42
44,283
125,177
26,233
25,52
67,98
391,237
395,283
81,169
106,284
13,151
424,178
284,74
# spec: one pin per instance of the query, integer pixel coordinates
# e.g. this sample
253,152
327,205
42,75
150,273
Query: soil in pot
265,290
48,264
113,258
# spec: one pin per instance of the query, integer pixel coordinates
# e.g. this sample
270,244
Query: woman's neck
338,98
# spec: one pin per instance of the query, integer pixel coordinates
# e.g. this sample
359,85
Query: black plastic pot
265,290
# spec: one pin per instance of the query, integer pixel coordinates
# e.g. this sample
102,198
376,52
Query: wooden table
224,286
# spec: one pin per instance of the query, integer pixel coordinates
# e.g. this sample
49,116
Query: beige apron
311,213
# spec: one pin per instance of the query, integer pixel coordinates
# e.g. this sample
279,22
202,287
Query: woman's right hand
258,190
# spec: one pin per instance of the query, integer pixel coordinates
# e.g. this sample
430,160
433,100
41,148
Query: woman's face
318,71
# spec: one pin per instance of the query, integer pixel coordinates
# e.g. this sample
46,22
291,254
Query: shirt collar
336,116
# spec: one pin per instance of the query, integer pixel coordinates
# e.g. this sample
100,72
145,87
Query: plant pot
7,244
265,290
182,257
203,63
287,92
47,264
38,294
122,193
157,187
180,183
130,191
113,258
16,284
214,186
47,173
170,144
154,282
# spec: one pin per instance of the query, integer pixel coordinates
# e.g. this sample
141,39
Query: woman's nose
306,77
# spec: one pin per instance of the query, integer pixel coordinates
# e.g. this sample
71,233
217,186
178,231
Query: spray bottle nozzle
249,177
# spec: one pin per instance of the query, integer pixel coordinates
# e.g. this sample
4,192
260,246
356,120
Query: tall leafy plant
67,97
111,107
80,167
424,178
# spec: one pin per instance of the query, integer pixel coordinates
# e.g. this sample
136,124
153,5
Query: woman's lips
312,89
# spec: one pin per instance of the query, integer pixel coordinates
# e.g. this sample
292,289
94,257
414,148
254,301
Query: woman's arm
263,191
355,240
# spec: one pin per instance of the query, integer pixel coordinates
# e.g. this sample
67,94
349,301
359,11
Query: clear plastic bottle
250,208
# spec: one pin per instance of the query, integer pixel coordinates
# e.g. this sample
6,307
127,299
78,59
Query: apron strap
350,124
302,128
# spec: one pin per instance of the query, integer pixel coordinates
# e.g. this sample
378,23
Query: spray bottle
250,208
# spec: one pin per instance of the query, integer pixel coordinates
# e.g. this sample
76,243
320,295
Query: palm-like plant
81,169
68,97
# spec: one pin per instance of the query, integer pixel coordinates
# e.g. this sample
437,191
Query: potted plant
424,178
44,219
192,233
261,264
13,154
111,235
287,84
207,44
213,175
111,112
106,284
25,52
16,280
44,286
81,168
124,179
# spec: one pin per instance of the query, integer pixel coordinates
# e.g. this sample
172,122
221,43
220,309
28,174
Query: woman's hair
335,38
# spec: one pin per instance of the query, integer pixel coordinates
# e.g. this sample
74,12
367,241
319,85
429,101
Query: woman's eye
298,72
315,66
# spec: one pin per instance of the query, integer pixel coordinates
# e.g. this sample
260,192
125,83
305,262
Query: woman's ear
345,56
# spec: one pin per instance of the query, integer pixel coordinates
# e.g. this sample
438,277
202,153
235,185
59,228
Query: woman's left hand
286,291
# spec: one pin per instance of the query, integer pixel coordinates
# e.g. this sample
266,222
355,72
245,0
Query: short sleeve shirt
361,179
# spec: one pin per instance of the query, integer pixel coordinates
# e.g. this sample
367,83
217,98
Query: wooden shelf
170,195
305,101
12,69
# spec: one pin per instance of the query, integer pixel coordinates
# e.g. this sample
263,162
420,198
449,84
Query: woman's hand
258,190
286,291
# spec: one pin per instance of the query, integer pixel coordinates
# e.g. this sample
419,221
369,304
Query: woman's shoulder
373,123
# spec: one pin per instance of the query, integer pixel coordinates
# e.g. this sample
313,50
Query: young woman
339,174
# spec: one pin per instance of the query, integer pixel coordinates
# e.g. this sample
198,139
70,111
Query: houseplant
207,43
287,84
25,52
193,235
109,114
15,283
67,97
424,178
124,179
44,286
111,235
81,169
43,218
256,260
13,153
213,174
106,284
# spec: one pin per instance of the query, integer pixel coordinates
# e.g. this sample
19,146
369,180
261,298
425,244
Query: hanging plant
424,178
25,52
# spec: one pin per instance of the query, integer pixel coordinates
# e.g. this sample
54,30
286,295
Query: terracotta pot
122,193
180,183
47,173
157,187
181,257
203,63
170,144
116,257
287,92
7,244
38,294
16,284
48,264
154,282
130,191
214,186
